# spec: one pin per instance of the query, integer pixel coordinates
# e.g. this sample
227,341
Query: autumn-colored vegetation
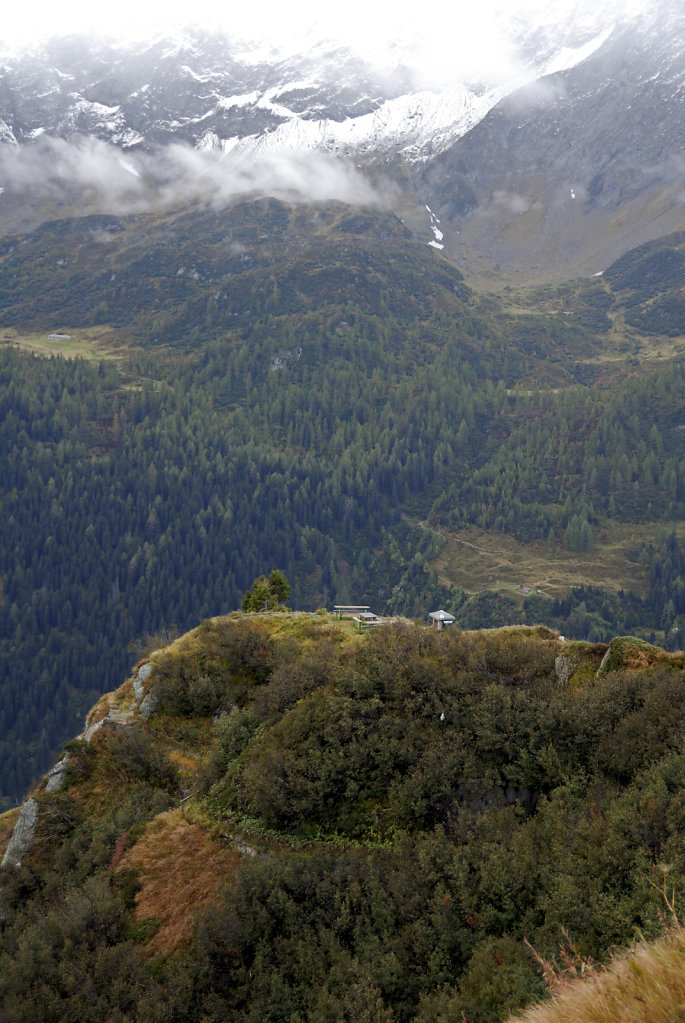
181,869
402,826
644,985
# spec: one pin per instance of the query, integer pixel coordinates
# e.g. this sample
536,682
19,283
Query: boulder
142,675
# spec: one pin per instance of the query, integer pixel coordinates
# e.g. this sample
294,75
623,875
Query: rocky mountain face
199,90
212,92
577,168
550,173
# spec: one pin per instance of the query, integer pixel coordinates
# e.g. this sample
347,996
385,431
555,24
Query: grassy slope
478,560
92,343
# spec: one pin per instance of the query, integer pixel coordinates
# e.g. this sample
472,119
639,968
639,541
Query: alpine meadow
340,346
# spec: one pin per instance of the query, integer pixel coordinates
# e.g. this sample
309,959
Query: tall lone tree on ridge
267,594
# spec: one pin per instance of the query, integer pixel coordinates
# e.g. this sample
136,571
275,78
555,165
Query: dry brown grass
478,560
186,763
181,868
7,822
120,699
638,660
644,985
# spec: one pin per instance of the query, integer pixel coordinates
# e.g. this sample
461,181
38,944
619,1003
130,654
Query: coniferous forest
310,389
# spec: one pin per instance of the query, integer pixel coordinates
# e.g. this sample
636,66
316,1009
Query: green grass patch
477,560
91,343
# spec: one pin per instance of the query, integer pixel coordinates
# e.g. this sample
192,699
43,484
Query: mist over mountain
567,158
572,170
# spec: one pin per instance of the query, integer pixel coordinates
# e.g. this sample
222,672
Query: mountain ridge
555,172
306,807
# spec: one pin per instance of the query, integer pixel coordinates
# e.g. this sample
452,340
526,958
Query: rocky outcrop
91,730
22,837
148,705
564,667
242,847
57,774
141,676
24,830
144,702
147,701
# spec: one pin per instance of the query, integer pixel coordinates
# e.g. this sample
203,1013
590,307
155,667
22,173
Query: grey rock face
91,730
142,675
23,835
57,774
564,667
149,704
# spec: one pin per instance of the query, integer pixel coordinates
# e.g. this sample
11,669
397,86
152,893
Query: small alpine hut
441,619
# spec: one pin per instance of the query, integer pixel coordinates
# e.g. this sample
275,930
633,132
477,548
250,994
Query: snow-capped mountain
577,167
569,156
212,92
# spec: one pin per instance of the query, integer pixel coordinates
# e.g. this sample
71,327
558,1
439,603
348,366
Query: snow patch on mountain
128,166
86,115
128,138
569,57
7,136
267,102
436,241
417,125
196,76
229,102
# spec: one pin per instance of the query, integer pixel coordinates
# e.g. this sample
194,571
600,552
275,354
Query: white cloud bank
467,41
95,173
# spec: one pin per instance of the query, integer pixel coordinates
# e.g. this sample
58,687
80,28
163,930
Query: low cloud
95,174
487,42
513,202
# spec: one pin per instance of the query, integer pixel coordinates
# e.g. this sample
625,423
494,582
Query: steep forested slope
306,387
280,818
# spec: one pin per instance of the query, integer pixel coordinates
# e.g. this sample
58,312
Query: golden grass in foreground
644,985
180,869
